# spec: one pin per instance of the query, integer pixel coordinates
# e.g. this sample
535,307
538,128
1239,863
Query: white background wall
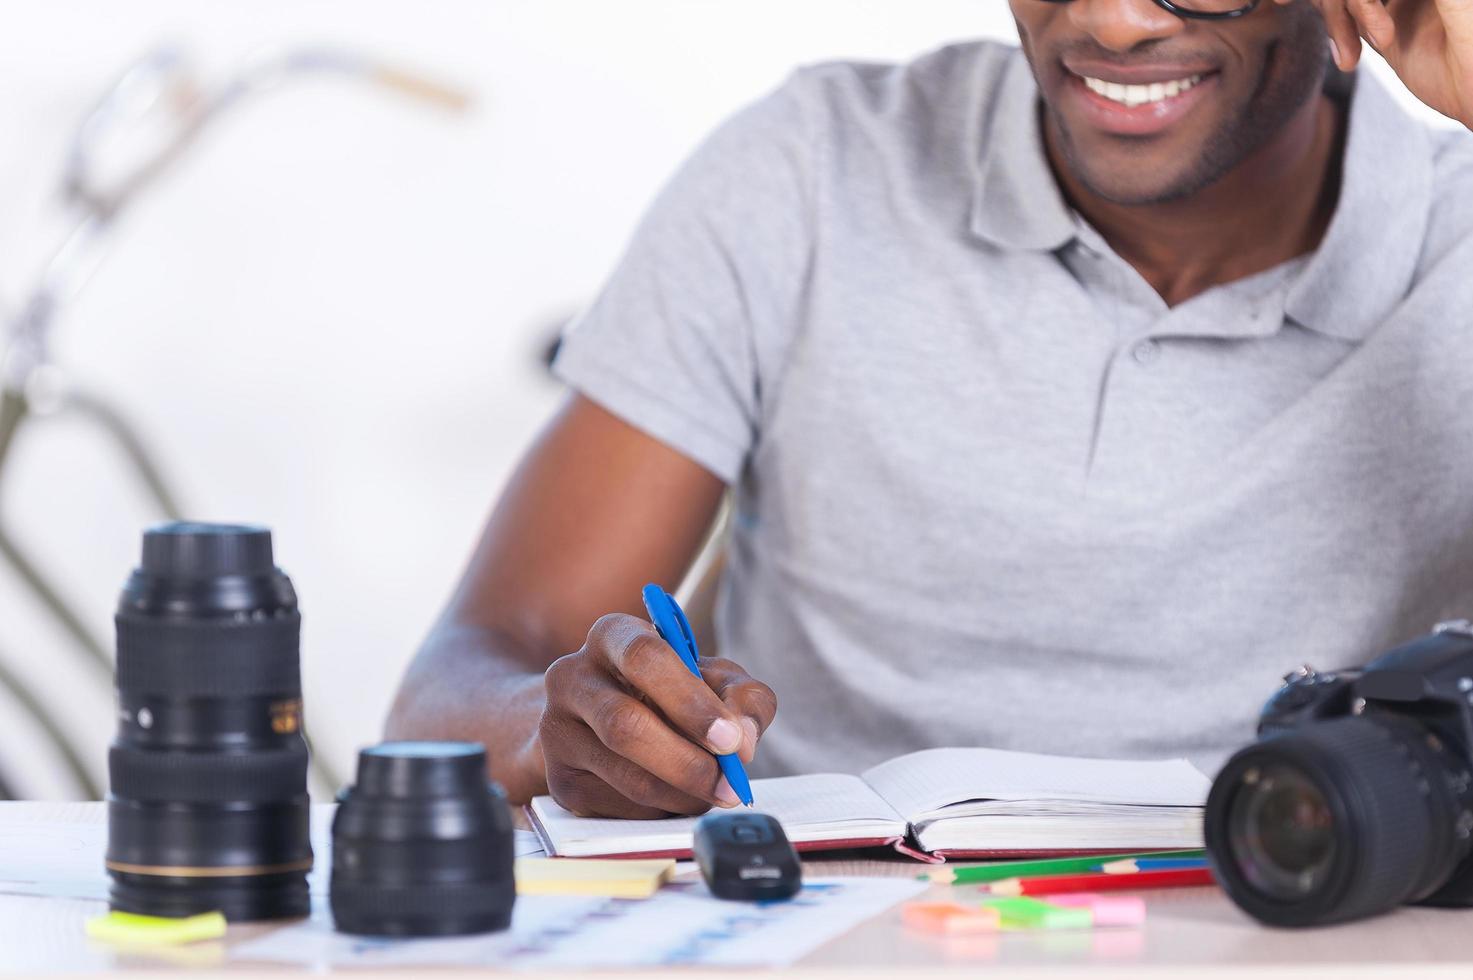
328,319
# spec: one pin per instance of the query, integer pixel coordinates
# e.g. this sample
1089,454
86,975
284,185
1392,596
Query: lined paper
827,806
921,783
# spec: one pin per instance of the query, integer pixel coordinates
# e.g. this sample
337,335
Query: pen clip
690,639
661,605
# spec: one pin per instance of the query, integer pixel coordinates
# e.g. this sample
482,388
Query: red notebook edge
995,854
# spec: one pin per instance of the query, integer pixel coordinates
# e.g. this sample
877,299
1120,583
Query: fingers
1374,21
1344,37
648,665
750,699
592,781
1348,21
632,732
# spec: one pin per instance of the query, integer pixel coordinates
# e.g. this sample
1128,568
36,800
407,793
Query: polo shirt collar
1367,260
1364,265
1016,202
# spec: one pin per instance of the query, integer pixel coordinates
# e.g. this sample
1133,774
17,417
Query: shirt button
1146,352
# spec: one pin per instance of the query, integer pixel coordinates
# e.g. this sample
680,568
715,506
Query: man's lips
1137,101
1135,74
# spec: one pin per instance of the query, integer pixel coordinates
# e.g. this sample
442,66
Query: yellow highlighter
126,928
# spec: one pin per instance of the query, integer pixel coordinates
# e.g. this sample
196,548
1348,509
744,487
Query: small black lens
1333,821
208,806
422,845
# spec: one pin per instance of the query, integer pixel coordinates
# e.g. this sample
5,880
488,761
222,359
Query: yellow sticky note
149,930
604,879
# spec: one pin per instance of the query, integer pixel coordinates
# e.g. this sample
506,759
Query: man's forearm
470,684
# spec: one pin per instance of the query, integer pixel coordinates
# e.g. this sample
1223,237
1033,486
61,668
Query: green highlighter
1022,912
126,928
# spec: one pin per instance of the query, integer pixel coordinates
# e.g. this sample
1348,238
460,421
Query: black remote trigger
746,856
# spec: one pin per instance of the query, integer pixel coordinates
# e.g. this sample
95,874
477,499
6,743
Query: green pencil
1002,870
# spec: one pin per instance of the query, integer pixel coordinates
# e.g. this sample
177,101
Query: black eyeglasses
1201,9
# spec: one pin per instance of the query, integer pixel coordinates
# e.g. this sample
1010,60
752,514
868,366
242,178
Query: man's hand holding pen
628,731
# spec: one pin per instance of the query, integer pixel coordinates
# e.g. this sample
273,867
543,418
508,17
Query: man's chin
1124,179
1132,171
1134,185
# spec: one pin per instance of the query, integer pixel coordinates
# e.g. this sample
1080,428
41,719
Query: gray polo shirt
990,489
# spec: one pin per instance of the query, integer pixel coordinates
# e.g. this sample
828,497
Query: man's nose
1121,25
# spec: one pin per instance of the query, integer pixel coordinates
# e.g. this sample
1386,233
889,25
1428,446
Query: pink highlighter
1108,910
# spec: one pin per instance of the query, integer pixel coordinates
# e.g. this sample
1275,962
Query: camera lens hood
422,844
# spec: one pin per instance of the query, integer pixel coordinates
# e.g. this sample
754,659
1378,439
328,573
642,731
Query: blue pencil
1134,865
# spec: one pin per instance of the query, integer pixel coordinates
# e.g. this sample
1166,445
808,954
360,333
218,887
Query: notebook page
922,782
820,807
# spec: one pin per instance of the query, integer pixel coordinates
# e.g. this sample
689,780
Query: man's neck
1273,206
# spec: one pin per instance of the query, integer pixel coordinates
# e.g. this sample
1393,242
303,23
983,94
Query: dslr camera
1358,795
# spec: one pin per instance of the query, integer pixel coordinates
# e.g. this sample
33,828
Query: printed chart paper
680,925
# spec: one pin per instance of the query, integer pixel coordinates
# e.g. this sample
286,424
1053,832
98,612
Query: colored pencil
1137,865
981,874
1059,884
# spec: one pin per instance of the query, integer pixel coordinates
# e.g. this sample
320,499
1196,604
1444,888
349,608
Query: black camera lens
1283,832
208,806
1332,822
422,845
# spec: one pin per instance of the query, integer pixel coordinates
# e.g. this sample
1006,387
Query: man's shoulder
947,66
960,77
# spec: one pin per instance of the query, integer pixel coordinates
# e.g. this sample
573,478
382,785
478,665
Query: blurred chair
141,126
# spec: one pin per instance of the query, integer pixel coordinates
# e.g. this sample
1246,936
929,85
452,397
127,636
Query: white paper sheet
681,925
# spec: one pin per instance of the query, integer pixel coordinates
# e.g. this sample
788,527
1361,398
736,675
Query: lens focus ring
209,659
208,777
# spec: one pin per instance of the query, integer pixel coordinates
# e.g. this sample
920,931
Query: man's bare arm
596,510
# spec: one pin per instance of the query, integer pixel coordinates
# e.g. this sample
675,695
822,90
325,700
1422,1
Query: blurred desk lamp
142,125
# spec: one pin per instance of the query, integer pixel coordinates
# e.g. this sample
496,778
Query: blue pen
674,629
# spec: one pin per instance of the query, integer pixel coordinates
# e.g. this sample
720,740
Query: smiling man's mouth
1134,95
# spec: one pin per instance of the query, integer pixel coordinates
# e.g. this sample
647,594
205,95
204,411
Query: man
1069,397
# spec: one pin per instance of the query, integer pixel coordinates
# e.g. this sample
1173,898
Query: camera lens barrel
1333,821
208,807
422,844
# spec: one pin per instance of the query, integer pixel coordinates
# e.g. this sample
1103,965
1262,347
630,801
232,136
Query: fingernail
725,795
1335,52
751,729
723,736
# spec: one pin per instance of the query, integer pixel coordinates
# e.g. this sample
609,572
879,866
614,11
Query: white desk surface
1195,932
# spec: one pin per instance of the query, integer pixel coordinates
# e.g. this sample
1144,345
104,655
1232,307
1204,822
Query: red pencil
1058,884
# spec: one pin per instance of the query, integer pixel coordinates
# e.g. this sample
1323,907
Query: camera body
1358,796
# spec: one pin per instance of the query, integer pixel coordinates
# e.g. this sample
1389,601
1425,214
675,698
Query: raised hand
1428,43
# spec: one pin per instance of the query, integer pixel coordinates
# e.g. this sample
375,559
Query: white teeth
1134,95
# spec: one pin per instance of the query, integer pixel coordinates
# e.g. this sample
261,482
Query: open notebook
941,802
